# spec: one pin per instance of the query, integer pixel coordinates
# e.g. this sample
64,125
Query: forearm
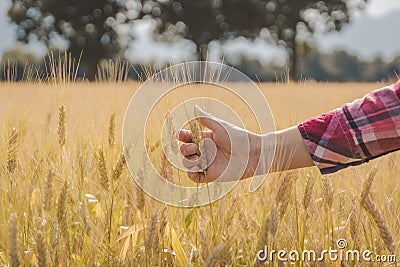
289,151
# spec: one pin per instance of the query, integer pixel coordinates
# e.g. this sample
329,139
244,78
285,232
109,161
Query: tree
202,21
86,25
287,19
184,18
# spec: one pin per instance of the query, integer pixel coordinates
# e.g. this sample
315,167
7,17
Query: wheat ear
119,167
327,189
214,256
151,233
12,151
102,168
62,208
308,192
368,183
62,128
41,249
384,232
111,131
284,192
13,250
48,189
204,242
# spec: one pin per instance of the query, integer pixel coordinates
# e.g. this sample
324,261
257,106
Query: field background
47,217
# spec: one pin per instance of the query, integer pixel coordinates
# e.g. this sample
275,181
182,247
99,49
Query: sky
363,37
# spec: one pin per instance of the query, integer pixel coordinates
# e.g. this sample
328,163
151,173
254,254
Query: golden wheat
41,249
102,169
62,128
111,131
86,210
13,249
12,151
380,223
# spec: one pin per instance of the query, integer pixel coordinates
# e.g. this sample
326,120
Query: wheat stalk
166,170
12,151
151,233
62,128
171,132
163,221
13,250
308,192
41,249
194,255
48,189
273,228
354,232
368,183
327,190
140,200
119,167
111,131
102,168
284,192
197,137
62,208
231,212
267,228
214,256
243,219
204,242
384,232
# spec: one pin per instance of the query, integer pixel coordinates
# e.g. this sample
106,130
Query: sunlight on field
76,204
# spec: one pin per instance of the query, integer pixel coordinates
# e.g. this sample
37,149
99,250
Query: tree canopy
87,26
203,21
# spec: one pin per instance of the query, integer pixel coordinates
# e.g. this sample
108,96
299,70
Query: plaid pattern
355,133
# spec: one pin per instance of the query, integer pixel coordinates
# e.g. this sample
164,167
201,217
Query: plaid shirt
355,133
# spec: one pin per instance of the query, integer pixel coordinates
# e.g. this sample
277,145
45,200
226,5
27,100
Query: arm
351,135
290,151
230,157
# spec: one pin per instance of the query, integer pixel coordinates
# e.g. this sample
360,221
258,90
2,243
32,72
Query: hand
232,152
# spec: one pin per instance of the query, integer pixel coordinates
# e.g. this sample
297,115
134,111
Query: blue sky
364,37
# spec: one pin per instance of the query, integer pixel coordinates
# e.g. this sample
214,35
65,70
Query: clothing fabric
355,133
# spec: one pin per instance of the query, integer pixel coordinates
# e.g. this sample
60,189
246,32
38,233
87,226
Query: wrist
262,152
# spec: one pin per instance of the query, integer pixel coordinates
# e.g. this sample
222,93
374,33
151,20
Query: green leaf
189,219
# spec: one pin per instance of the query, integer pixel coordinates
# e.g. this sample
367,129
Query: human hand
232,152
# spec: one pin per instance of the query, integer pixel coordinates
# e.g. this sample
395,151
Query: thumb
207,119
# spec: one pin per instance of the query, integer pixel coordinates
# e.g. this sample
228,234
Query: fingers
191,161
189,149
196,176
186,135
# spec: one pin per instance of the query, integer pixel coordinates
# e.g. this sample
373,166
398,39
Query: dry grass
69,200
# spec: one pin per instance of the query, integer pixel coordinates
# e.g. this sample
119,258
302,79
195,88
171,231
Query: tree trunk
90,69
201,51
293,70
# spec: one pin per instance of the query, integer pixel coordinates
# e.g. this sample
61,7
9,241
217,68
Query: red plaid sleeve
355,133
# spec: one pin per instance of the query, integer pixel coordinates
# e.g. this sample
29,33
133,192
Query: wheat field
67,198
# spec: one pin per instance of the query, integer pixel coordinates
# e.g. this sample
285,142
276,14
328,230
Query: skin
224,142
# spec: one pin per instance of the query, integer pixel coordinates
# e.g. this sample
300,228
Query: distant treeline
338,66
